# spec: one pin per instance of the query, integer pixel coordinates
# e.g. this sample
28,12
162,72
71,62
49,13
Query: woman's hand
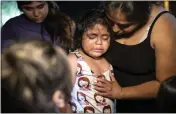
109,89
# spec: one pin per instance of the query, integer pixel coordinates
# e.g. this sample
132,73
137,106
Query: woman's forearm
144,90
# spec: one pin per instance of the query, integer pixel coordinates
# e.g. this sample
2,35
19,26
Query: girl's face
81,97
83,83
96,40
73,108
99,98
89,111
107,110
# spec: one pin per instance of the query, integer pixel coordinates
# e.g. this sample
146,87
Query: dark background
172,7
76,8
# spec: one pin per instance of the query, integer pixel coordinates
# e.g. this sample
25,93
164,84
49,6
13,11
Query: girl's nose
99,41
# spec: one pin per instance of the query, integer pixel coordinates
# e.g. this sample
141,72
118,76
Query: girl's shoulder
76,53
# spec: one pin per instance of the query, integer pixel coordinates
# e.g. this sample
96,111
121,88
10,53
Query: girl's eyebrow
91,34
105,35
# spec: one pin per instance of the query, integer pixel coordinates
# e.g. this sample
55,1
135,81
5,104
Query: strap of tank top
149,28
77,54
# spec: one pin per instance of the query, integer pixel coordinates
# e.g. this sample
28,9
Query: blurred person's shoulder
15,20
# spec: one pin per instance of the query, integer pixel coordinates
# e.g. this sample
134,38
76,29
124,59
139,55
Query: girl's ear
59,99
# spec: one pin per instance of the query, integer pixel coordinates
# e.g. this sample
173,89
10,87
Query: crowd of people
119,57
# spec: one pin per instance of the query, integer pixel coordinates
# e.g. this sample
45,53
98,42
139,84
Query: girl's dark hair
57,24
135,11
167,95
88,20
32,71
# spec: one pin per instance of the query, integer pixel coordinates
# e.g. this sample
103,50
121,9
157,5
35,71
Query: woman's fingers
103,84
103,87
103,94
112,77
103,81
100,89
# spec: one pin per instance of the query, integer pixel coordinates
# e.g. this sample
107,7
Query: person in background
42,20
87,62
142,53
166,96
36,77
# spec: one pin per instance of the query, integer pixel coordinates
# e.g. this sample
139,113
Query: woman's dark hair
57,24
32,71
167,95
135,11
88,20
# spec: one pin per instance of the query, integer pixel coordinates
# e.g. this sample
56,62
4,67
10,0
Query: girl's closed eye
105,37
92,36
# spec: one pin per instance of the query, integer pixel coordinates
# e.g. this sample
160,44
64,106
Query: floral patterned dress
84,97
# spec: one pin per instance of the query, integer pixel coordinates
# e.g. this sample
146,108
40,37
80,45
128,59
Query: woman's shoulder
166,17
163,28
13,21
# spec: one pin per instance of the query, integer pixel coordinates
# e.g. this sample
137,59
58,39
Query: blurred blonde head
38,74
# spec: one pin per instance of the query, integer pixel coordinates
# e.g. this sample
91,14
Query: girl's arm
73,63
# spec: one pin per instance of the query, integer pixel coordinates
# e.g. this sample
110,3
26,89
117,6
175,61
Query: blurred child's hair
32,71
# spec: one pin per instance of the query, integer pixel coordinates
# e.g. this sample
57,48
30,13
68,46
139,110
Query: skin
36,11
95,42
163,41
118,18
58,99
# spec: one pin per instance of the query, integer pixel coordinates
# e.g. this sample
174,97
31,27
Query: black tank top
134,65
